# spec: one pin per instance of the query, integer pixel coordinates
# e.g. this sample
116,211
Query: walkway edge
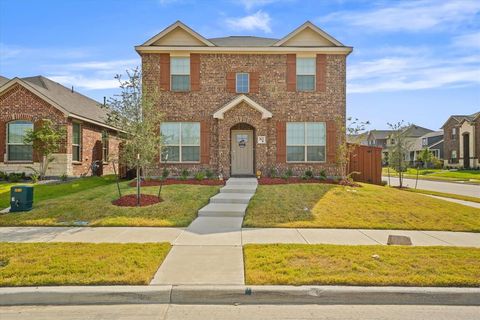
183,294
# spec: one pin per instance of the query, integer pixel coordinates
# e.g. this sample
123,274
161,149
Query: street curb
190,294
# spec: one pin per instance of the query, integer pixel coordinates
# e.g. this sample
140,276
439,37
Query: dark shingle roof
73,103
380,134
3,80
243,41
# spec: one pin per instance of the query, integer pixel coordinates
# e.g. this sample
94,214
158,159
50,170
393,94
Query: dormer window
180,73
306,74
242,82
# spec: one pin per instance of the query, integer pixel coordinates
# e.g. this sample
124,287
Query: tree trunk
138,185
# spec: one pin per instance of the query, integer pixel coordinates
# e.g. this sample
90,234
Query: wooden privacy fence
368,162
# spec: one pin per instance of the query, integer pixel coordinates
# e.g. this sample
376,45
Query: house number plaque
261,140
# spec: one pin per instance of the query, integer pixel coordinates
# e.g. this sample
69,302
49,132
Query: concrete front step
242,182
223,210
239,189
231,198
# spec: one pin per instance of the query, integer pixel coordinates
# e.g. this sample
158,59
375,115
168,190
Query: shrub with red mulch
151,183
131,200
271,181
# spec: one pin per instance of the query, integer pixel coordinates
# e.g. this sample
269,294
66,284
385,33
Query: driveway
448,187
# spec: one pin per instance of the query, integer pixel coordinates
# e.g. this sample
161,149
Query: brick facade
450,144
18,103
325,105
472,128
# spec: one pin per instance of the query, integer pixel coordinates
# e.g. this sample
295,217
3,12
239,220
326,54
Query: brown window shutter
165,71
204,142
254,82
331,142
3,140
231,82
281,142
321,72
37,157
291,72
195,72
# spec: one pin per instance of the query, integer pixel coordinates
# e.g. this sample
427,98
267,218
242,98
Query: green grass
369,207
179,208
300,264
55,190
48,264
438,174
445,195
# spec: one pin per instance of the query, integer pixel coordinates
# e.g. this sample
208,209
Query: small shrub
34,177
165,173
64,177
3,176
322,175
209,174
184,174
384,183
200,176
308,174
14,177
272,173
23,176
288,174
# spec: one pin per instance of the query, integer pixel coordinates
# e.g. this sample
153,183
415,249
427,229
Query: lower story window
105,147
181,141
17,149
76,142
306,141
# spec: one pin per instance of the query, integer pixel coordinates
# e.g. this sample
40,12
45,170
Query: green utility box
21,198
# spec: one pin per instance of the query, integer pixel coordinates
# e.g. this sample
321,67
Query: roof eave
327,50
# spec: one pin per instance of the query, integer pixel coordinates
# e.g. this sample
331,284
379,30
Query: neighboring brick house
25,102
462,141
242,104
411,134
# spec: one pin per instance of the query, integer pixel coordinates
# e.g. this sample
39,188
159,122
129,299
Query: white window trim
79,145
7,144
435,153
456,155
179,74
180,145
298,74
107,138
236,82
305,145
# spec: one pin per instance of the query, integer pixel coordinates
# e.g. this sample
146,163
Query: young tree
352,127
426,157
45,139
398,150
134,113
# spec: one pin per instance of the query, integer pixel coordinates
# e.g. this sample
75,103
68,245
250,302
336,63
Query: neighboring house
462,141
378,138
25,102
361,139
242,104
411,135
432,141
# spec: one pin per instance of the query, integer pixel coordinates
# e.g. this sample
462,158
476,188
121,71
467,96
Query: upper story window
454,133
76,141
242,82
182,141
105,146
306,74
17,149
306,141
424,142
180,73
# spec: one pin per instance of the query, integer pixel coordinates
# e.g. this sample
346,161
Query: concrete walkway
209,251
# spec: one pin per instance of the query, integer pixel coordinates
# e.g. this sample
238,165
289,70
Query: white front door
242,152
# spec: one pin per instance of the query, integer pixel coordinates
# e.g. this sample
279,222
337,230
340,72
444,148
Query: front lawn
445,195
438,174
93,207
300,264
369,207
55,190
48,264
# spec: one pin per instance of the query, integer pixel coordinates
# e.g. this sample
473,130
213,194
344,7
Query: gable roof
415,131
175,25
314,28
3,80
461,118
72,104
219,114
380,134
243,41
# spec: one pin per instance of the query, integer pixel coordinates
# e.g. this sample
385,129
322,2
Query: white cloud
258,21
470,40
409,16
88,83
249,4
412,73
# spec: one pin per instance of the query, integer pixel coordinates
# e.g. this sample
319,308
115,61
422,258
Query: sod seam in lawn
300,264
48,264
369,207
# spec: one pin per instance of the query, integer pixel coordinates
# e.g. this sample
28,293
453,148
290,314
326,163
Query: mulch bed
131,200
293,180
205,182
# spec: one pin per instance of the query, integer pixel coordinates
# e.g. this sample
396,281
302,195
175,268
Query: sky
416,61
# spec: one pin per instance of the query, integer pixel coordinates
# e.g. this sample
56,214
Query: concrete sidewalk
222,232
439,186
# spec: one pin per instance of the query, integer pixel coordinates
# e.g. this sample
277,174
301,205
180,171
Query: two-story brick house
242,104
462,141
